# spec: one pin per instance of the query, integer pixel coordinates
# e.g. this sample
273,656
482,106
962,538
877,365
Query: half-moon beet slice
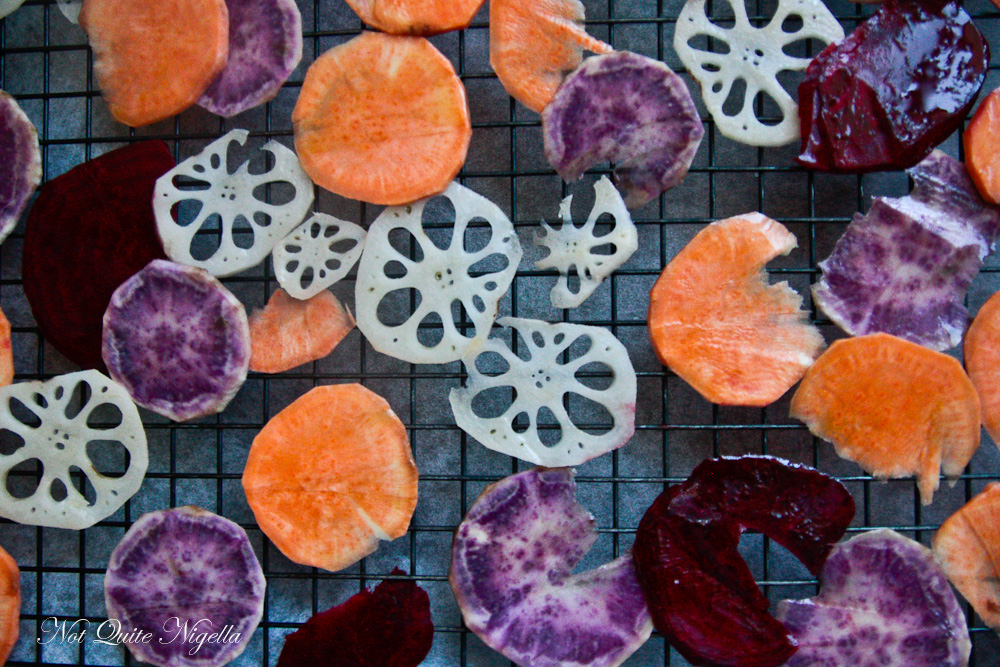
88,231
700,592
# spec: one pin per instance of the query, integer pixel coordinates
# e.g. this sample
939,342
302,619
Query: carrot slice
290,332
982,361
893,407
10,604
534,44
715,321
968,547
980,139
416,17
382,118
331,475
6,353
155,59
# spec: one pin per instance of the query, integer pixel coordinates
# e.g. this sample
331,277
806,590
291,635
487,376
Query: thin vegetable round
110,454
22,159
177,340
317,254
182,574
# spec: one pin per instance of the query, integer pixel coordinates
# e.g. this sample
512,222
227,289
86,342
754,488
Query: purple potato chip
177,340
510,570
22,161
885,601
904,268
190,579
628,109
265,45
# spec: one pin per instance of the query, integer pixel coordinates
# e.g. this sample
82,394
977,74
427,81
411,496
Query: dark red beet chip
700,592
387,627
894,89
88,231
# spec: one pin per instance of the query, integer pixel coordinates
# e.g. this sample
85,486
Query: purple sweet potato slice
88,231
894,89
22,161
885,601
265,45
627,109
387,627
182,575
177,340
510,570
904,268
700,592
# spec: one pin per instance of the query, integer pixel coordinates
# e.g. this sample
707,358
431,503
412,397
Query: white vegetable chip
585,366
471,272
233,203
754,56
71,9
578,250
79,422
317,254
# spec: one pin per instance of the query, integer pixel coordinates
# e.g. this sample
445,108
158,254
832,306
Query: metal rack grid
46,65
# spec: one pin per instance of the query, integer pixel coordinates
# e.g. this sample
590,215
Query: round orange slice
893,407
331,475
416,17
982,361
382,118
6,352
10,604
717,323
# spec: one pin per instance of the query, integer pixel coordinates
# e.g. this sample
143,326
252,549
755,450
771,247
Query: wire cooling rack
46,65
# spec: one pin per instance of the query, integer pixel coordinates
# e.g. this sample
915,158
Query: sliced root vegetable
265,46
716,322
89,230
416,17
155,59
579,251
234,203
883,599
980,140
177,340
982,361
904,268
290,332
10,604
968,548
331,475
895,88
471,272
22,162
6,353
534,43
754,56
8,6
317,254
382,118
687,551
893,407
390,626
510,570
550,363
71,9
627,109
87,424
180,575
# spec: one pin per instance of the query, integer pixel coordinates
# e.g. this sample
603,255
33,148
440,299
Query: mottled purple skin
185,565
894,89
627,109
177,340
904,268
510,570
265,45
884,602
22,160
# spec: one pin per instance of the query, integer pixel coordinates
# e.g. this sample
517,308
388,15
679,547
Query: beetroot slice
177,340
265,45
387,627
22,161
894,89
88,231
700,592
